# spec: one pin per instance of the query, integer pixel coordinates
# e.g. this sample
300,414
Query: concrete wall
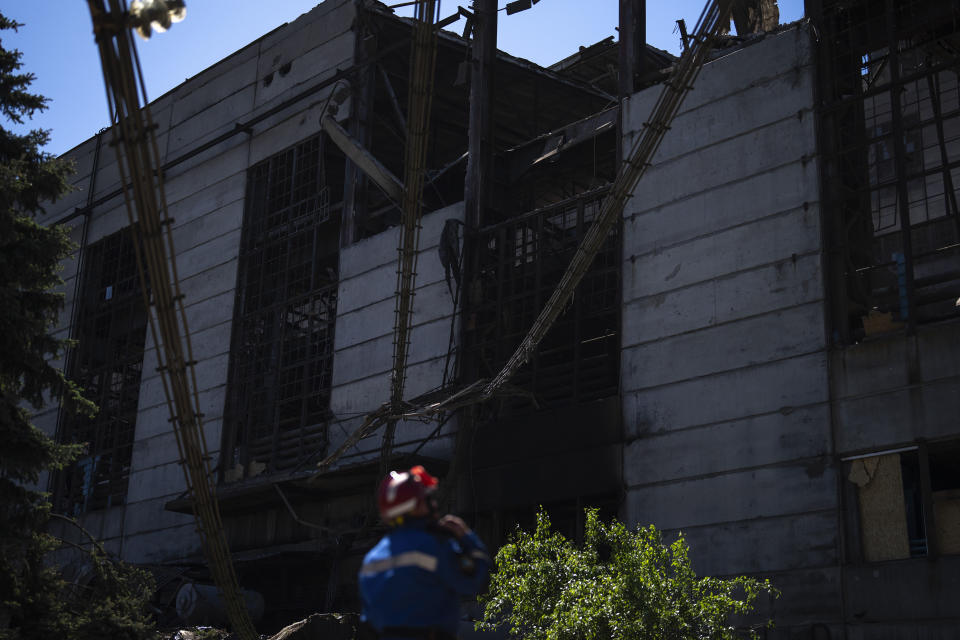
206,198
363,337
891,392
724,370
897,389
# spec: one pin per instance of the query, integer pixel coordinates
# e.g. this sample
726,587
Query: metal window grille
890,136
282,359
107,363
521,262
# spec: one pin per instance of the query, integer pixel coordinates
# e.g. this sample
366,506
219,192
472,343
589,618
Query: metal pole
478,182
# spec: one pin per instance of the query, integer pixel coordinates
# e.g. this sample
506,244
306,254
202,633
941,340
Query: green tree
619,584
35,601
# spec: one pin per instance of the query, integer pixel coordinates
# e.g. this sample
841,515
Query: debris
322,626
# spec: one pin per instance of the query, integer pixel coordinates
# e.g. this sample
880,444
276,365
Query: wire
675,89
141,176
420,101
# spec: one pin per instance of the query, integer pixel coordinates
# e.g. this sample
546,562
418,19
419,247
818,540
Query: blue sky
57,45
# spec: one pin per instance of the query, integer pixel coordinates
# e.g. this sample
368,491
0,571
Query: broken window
890,142
902,496
110,329
282,356
521,263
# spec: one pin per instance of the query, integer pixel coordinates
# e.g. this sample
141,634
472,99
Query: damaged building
763,355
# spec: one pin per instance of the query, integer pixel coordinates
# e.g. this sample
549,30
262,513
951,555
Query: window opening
890,137
896,518
282,360
521,262
107,363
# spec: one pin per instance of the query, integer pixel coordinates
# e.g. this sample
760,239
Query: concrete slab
751,442
209,254
162,546
323,11
761,546
185,179
937,346
765,148
375,356
725,76
738,344
211,373
780,386
725,299
154,419
216,119
107,220
153,482
149,515
651,225
216,280
215,84
294,60
736,496
788,95
765,242
222,207
287,129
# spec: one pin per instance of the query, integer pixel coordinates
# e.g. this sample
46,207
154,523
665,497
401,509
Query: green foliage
35,601
113,603
619,584
110,603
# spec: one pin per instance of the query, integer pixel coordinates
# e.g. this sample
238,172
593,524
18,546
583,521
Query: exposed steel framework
282,357
107,364
715,16
713,20
521,263
890,137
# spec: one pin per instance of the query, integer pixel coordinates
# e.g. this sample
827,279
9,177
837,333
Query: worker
411,582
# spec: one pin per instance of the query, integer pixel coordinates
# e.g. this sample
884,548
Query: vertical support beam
477,187
900,167
833,228
633,41
361,109
483,52
950,202
478,182
926,499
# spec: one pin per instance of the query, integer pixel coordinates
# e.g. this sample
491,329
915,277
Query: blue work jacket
414,578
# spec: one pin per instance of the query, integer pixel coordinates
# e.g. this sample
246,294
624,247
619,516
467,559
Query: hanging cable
423,58
715,14
138,160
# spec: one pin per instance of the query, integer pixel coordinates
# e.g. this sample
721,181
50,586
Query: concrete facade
724,369
738,416
205,195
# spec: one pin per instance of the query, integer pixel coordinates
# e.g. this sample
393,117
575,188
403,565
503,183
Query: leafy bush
618,584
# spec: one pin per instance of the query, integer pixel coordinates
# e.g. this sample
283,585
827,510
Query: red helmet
403,491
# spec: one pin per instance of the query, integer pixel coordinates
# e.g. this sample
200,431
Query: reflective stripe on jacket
414,578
